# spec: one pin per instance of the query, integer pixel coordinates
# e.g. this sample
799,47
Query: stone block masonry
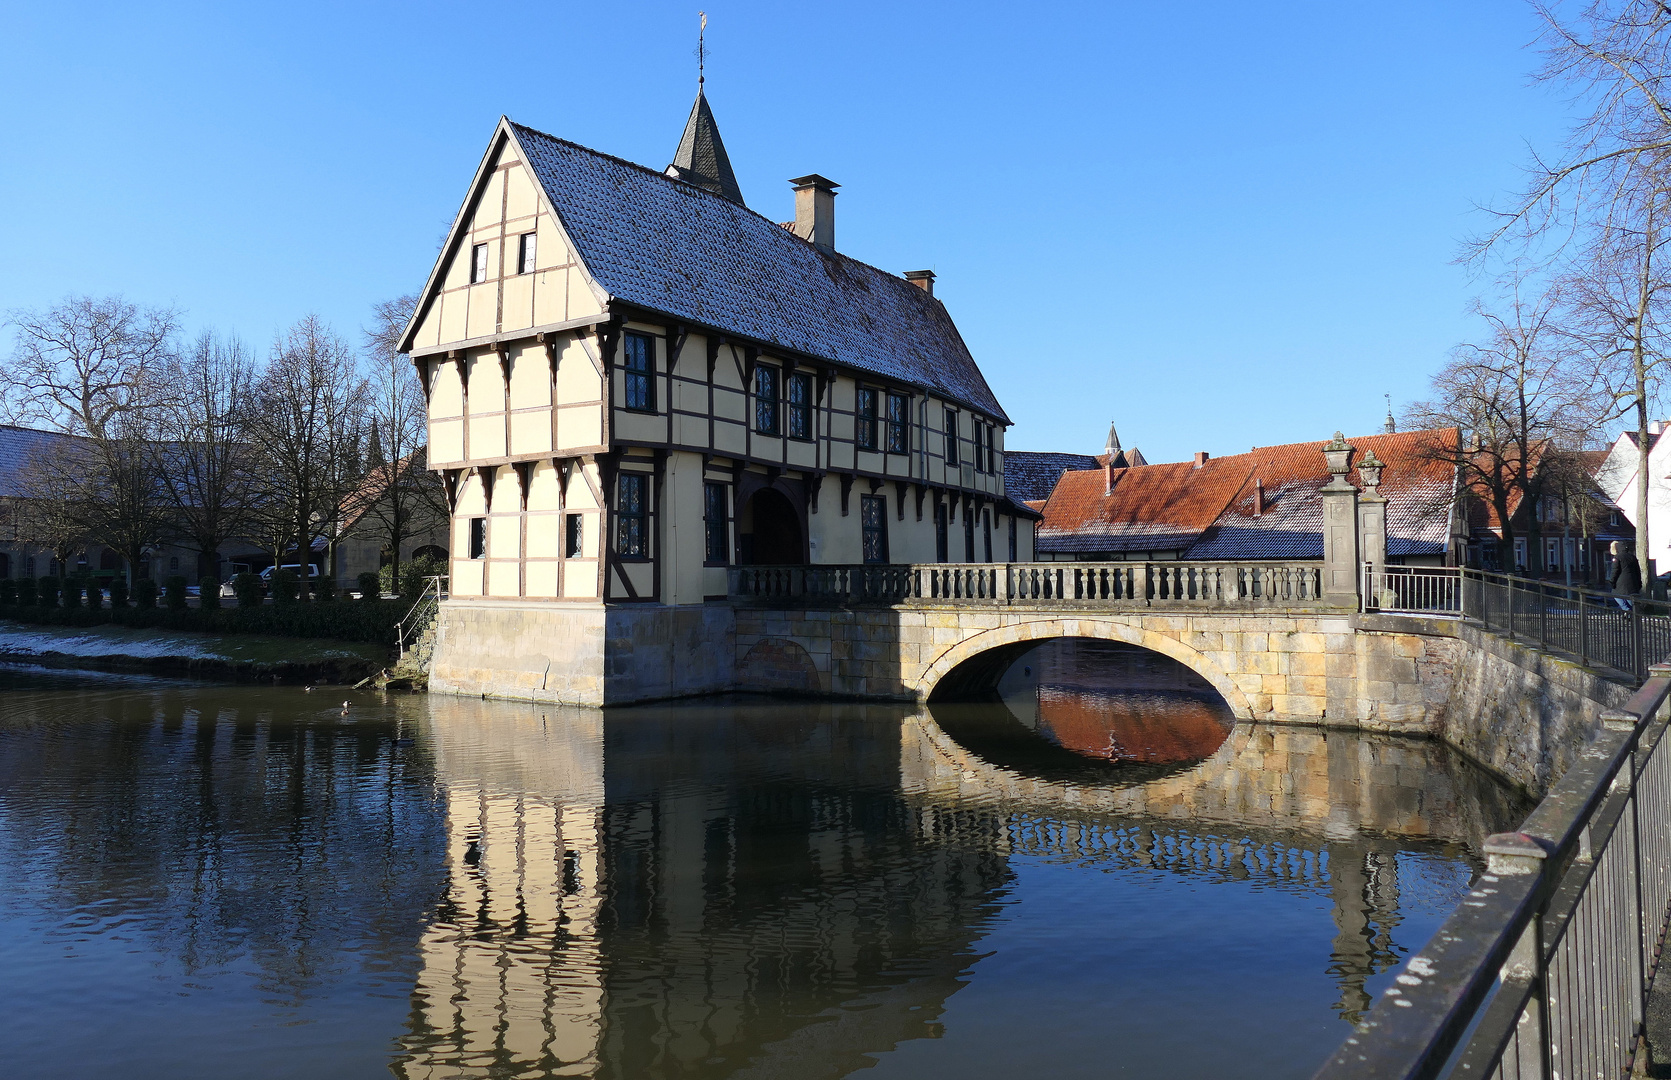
582,654
1521,713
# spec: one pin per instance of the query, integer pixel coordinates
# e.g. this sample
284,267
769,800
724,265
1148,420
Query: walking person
1625,579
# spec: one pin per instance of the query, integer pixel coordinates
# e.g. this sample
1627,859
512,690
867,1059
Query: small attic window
478,264
525,254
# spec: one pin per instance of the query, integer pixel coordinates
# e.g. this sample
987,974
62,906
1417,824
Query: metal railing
1543,970
420,614
1596,628
1418,590
1103,584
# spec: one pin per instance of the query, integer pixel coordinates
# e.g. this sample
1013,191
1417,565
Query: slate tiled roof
657,243
20,446
1207,512
1030,475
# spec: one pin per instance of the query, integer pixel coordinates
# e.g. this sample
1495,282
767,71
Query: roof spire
1113,446
1392,425
701,159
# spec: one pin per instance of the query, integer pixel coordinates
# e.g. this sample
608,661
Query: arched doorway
769,531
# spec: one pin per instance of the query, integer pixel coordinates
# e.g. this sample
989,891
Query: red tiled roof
1207,511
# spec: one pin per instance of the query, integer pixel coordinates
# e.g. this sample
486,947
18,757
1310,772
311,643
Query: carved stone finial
1369,471
1338,453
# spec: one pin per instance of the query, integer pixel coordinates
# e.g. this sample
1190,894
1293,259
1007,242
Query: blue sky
1218,224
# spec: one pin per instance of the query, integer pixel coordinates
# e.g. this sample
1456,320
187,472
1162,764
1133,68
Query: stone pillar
1372,514
1340,527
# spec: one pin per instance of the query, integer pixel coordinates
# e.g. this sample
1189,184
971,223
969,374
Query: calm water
213,881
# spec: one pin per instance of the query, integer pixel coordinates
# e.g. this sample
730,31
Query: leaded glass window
638,365
632,537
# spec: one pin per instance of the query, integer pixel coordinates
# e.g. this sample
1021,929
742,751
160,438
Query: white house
1619,476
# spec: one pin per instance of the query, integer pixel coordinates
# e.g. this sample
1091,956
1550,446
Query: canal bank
178,653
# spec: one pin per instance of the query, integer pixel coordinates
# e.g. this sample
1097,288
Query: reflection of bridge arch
976,663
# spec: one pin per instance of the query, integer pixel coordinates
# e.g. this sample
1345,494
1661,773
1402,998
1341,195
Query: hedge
370,621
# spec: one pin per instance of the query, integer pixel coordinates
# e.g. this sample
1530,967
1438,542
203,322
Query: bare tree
84,363
205,455
1600,207
50,510
401,494
310,408
1516,396
1618,295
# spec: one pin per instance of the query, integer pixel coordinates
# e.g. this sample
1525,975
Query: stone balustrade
1226,585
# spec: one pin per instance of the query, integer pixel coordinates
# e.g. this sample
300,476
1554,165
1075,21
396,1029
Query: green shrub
371,586
46,592
325,589
247,587
8,592
26,592
284,586
145,593
174,587
69,593
415,574
119,591
208,592
95,593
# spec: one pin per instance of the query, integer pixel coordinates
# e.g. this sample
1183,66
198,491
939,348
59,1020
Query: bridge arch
977,662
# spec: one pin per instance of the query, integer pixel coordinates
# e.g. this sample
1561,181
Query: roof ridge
658,174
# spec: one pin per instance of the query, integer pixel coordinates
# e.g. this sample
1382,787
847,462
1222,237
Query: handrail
420,613
1543,969
1263,584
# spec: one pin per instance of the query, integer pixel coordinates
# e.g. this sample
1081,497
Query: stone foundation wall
1522,713
582,654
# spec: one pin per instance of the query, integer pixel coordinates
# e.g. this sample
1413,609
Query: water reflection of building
780,889
1297,808
510,983
772,905
754,897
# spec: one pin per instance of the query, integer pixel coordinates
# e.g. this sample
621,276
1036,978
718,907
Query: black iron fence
1595,628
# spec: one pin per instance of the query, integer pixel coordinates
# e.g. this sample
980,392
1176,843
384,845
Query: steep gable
504,204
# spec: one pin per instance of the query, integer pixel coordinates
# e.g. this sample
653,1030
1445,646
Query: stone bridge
1266,636
1270,637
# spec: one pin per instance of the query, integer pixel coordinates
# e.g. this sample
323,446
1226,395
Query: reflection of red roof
1132,726
1208,511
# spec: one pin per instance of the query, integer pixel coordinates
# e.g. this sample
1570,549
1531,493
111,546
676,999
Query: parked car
267,575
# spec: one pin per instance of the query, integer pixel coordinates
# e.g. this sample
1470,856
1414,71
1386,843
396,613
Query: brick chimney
1108,477
922,279
1201,457
815,210
1258,498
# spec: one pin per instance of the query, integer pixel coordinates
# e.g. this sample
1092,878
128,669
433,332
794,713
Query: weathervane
701,47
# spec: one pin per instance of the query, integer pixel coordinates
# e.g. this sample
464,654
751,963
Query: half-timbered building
636,383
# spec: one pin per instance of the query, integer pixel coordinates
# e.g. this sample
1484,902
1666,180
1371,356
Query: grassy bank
339,620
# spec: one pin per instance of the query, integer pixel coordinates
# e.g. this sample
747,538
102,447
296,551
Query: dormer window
525,254
478,264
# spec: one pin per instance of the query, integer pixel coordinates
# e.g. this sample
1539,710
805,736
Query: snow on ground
20,641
